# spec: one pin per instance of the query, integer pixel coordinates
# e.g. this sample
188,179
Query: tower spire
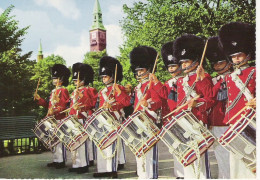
40,55
97,13
97,32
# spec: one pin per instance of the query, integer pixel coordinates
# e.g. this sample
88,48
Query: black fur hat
214,52
62,72
107,66
86,73
238,37
167,54
188,46
142,57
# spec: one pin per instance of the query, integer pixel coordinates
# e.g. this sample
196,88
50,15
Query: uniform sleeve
161,90
154,100
86,102
42,102
205,89
121,101
62,104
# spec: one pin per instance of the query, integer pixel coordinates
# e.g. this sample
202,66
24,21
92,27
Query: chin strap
141,75
190,66
242,62
177,70
226,67
109,81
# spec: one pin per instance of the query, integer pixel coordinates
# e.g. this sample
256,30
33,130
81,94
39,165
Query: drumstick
115,80
71,107
154,66
180,107
246,106
37,88
202,58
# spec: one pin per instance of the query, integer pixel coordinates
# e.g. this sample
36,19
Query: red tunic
87,102
120,101
233,91
202,88
168,94
63,94
217,113
151,96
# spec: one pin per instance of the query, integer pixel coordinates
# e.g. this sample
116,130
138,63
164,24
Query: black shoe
120,166
179,177
73,169
53,164
113,175
60,165
82,170
106,174
99,175
91,163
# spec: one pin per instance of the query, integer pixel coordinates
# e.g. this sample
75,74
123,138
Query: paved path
34,166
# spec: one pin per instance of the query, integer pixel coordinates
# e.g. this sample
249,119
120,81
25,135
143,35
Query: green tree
92,59
42,70
15,69
156,22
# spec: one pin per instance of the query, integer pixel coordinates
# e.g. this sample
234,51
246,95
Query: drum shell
44,130
185,136
101,127
240,139
71,132
130,132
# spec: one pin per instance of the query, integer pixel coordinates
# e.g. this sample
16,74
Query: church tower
97,32
40,55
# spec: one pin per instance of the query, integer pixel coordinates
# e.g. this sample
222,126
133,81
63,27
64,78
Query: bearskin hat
62,72
107,66
167,54
86,73
188,46
238,37
214,52
142,57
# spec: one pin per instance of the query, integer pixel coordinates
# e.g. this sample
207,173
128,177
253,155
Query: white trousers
90,150
109,164
178,168
121,151
59,153
147,166
221,154
80,156
189,171
238,170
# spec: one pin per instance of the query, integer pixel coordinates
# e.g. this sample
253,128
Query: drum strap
243,90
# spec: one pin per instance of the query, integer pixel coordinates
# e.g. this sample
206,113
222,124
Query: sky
63,25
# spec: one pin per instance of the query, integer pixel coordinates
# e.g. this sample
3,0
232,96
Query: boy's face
186,64
173,68
220,65
141,71
54,81
81,83
238,58
105,78
128,89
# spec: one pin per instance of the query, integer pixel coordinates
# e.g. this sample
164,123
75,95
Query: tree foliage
15,69
156,22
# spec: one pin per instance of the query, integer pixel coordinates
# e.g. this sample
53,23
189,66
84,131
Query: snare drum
44,130
240,139
101,128
186,137
139,133
71,133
